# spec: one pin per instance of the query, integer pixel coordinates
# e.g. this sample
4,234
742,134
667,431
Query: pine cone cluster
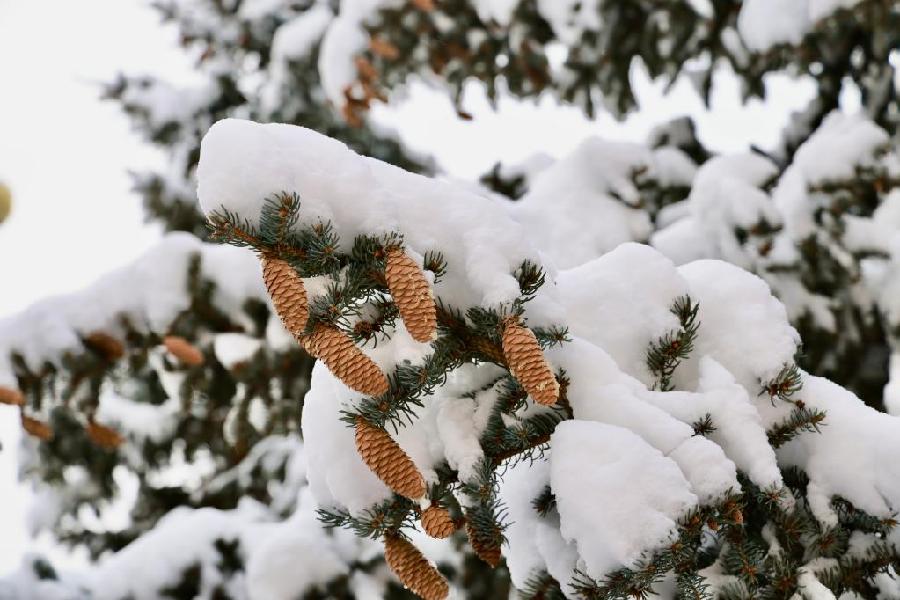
527,363
11,396
388,460
105,345
288,294
183,350
414,570
437,522
345,360
411,294
103,436
36,428
485,549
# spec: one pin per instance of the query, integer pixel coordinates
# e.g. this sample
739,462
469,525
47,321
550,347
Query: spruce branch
801,420
665,354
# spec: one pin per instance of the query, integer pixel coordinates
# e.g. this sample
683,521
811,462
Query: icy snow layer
150,293
766,23
614,307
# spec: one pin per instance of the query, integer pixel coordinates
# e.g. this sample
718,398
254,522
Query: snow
743,326
854,457
342,478
626,504
242,163
584,205
150,293
838,147
767,23
601,305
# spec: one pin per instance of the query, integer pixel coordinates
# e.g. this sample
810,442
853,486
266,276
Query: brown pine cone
103,436
11,396
411,294
106,345
486,550
288,294
388,460
383,48
345,360
527,363
183,350
414,570
36,428
437,522
424,5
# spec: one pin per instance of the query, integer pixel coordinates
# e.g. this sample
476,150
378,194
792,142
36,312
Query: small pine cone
36,428
412,294
527,363
486,550
11,396
388,460
103,436
345,360
383,48
365,69
414,570
183,350
106,345
288,294
437,522
424,5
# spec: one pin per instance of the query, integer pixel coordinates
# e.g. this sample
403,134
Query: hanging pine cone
11,396
437,522
288,294
424,5
486,548
527,363
414,570
103,436
345,360
388,460
36,428
183,350
411,294
105,345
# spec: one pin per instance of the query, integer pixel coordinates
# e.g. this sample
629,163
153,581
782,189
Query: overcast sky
65,154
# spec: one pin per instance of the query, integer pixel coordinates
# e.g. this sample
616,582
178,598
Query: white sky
65,154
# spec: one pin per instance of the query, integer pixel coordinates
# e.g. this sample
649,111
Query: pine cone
11,396
103,436
424,5
388,460
527,363
345,360
411,294
383,48
288,294
485,549
437,522
36,428
414,570
106,345
183,350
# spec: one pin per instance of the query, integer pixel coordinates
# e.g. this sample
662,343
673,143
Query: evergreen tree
491,416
